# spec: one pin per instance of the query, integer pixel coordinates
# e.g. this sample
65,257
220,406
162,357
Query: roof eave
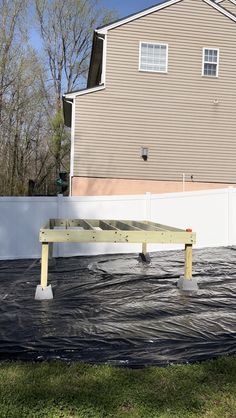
74,94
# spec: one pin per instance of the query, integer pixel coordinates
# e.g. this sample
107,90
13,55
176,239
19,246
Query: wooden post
44,264
144,248
188,261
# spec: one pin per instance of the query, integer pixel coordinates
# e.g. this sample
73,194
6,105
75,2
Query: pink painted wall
83,186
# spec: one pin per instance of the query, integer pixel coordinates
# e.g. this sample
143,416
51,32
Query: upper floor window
210,64
153,57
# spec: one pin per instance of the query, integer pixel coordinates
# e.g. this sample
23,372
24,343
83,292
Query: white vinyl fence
211,214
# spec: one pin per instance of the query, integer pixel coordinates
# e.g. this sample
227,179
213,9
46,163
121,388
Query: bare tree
24,128
34,144
10,23
66,29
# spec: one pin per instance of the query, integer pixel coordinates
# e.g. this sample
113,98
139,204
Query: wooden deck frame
114,231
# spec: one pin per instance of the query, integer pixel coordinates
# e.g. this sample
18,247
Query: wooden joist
94,230
106,225
114,231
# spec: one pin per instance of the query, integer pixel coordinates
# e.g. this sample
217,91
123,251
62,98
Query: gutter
74,94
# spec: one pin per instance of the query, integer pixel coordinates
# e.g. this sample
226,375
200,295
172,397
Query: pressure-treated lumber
44,264
95,230
188,261
144,248
115,231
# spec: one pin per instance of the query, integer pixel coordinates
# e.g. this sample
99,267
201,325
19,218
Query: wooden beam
113,231
105,225
124,226
164,227
63,222
86,225
59,222
145,226
52,223
44,264
133,236
188,262
73,223
144,248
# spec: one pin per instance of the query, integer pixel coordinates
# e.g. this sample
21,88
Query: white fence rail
211,214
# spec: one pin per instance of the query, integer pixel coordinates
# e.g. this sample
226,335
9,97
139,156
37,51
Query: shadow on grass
79,390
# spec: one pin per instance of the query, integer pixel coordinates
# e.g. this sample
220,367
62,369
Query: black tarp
113,309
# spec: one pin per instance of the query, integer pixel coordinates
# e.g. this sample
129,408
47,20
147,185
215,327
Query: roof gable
222,1
105,29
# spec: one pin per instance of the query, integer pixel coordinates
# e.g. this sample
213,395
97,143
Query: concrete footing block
43,293
187,284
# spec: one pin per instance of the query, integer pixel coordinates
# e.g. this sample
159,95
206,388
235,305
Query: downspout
72,148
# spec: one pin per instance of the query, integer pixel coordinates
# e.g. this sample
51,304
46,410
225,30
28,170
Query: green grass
78,390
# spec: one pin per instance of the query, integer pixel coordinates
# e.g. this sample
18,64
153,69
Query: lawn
60,390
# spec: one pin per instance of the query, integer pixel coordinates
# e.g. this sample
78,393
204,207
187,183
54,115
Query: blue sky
126,7
122,7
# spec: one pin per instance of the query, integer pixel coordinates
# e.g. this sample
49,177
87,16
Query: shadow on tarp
112,309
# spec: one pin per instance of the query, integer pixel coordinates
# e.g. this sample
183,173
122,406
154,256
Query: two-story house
160,105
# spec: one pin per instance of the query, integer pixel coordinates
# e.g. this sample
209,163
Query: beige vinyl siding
228,5
172,114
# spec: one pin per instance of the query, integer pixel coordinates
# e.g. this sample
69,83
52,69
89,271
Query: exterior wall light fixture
144,153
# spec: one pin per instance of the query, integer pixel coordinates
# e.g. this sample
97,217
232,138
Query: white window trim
217,63
153,43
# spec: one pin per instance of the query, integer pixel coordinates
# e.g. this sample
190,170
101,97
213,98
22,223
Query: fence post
230,216
59,204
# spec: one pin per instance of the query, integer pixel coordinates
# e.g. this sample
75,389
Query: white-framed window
153,57
210,62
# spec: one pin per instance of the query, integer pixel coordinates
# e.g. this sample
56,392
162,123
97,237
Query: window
210,64
153,57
